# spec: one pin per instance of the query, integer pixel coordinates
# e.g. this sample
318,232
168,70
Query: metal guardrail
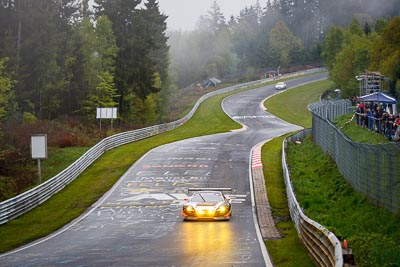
18,205
324,246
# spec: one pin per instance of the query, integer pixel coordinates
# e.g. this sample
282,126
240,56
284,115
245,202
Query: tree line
264,36
351,50
65,58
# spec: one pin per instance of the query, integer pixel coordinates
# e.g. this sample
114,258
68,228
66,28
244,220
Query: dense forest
62,59
351,50
265,36
65,58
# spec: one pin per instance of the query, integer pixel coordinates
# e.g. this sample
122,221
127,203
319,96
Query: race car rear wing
210,189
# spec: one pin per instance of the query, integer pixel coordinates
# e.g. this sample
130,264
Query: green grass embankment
357,133
291,106
372,232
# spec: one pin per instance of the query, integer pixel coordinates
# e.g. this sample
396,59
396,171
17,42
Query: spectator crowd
378,118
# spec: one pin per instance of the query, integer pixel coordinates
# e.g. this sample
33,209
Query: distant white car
280,86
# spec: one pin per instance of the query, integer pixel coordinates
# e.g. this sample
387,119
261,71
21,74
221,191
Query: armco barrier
324,246
18,205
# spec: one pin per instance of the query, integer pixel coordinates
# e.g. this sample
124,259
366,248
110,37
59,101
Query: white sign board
106,113
39,146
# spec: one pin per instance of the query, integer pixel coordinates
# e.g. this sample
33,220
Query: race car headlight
189,208
222,209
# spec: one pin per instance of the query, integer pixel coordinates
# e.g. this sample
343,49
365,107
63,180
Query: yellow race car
207,204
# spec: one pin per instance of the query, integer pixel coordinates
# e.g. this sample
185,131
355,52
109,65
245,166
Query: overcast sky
183,14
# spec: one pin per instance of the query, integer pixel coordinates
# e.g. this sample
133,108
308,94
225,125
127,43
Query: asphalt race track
138,222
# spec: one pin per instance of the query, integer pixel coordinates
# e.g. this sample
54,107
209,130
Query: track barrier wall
323,246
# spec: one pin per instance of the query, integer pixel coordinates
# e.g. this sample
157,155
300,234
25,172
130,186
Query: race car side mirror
228,199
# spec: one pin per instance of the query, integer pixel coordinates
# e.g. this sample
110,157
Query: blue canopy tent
381,98
377,97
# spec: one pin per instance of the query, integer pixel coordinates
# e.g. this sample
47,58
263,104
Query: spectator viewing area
376,111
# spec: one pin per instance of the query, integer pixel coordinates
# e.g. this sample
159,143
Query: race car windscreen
207,197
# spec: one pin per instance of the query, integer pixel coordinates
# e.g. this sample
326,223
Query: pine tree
142,50
6,92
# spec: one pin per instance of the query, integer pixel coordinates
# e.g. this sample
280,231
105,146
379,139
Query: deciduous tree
284,46
386,54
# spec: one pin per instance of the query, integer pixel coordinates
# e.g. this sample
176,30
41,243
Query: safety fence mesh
373,170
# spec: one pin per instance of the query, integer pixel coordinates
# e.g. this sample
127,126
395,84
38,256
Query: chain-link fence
373,170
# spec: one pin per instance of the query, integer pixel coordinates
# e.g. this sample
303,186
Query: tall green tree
36,41
6,92
214,22
302,17
215,43
333,45
249,40
352,59
157,38
98,51
142,51
89,56
386,54
104,95
284,46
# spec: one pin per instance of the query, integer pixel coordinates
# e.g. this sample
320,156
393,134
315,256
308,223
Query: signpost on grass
39,150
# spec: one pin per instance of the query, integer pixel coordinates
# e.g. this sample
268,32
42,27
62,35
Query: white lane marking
179,196
253,117
156,196
237,199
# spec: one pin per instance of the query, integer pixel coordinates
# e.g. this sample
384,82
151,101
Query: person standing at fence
387,123
378,119
362,116
396,124
358,114
370,119
396,128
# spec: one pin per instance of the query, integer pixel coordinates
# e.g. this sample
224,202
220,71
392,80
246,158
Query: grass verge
357,133
287,251
372,232
291,106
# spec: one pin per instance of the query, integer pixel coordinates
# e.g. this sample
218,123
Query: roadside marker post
39,150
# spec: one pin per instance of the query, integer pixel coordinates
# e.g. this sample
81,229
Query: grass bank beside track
291,106
372,232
